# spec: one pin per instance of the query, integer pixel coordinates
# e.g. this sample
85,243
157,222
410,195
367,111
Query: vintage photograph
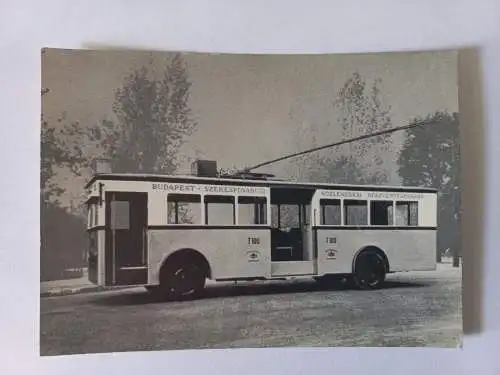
196,201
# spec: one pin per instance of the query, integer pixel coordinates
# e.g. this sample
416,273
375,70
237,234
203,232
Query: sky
249,107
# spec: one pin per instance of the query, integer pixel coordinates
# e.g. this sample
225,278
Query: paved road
414,310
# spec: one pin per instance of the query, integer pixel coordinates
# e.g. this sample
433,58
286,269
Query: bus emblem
253,256
331,253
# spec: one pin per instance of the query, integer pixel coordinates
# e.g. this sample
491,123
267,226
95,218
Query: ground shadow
135,297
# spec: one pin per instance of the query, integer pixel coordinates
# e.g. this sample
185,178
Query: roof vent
204,168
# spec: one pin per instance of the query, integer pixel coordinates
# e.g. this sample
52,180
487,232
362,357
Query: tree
51,153
61,147
362,162
153,121
430,157
62,242
343,169
50,150
362,112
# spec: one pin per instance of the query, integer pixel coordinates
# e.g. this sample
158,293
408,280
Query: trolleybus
172,233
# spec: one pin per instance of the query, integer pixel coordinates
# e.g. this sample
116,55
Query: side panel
101,269
406,249
93,263
231,252
96,255
292,268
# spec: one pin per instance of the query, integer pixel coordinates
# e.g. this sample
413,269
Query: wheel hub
371,270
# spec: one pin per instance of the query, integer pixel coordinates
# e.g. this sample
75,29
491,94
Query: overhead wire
339,143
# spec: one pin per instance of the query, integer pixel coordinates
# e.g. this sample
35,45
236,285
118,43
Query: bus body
159,231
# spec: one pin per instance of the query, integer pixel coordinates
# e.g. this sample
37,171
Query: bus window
183,209
407,213
252,210
355,212
285,216
330,212
219,210
381,213
289,216
120,214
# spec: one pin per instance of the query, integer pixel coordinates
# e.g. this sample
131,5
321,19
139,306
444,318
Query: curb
81,290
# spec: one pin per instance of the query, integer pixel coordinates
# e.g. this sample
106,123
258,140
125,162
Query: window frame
322,211
279,214
389,203
408,205
231,198
345,216
260,202
114,222
191,198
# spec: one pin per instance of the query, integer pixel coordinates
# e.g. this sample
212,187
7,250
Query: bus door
291,235
126,238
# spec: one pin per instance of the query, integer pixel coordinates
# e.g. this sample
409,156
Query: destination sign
394,196
341,194
207,189
348,194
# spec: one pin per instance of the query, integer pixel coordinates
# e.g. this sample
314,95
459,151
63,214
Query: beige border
472,185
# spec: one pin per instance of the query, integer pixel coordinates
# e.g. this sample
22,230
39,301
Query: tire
182,278
369,271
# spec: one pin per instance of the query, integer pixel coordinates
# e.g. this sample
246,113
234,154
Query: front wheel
182,279
369,271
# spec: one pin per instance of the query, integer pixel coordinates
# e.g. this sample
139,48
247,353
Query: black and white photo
194,201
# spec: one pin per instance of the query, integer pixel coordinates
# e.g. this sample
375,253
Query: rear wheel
370,270
182,278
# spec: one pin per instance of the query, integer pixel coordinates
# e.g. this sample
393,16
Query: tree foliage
430,157
153,121
62,233
361,111
61,147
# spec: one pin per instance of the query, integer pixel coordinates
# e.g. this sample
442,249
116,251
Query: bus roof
234,181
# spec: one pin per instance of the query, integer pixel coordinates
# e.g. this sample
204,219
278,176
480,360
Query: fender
371,247
189,252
